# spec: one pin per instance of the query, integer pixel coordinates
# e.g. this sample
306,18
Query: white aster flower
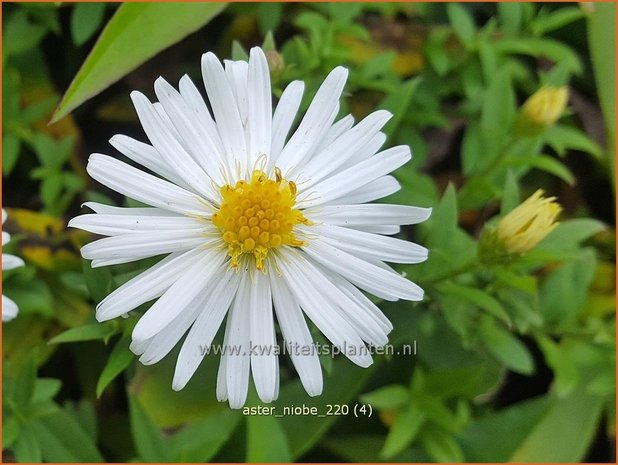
253,221
9,308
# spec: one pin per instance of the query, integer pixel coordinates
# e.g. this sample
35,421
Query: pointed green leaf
266,440
119,359
136,32
91,332
149,441
405,428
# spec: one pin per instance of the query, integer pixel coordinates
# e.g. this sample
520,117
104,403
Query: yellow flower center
258,216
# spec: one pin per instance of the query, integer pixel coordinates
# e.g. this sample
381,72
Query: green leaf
363,448
387,398
118,360
469,380
27,449
86,416
10,153
544,163
149,441
85,20
63,439
602,44
99,281
510,14
541,47
462,23
45,389
506,348
498,111
444,219
269,16
562,138
238,51
397,102
477,297
570,233
564,433
24,384
405,428
200,441
50,152
510,195
11,427
89,332
563,293
441,446
496,436
556,19
566,375
266,440
20,34
121,48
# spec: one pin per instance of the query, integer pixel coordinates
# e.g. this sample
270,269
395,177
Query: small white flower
9,308
253,221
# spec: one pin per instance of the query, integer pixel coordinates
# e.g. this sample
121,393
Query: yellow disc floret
258,216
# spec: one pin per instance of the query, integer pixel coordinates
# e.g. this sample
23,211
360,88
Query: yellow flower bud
525,226
276,64
544,107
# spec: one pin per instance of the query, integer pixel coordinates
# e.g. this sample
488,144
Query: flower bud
542,109
526,225
276,64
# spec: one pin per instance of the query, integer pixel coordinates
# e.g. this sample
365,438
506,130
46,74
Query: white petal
203,331
335,131
9,309
112,225
342,149
305,282
260,110
10,262
357,176
165,340
147,285
368,214
180,294
365,275
368,245
6,237
227,116
263,358
236,72
196,139
316,121
364,305
166,143
237,339
131,247
379,229
366,151
297,337
144,187
147,156
221,389
139,211
3,216
374,190
284,116
195,101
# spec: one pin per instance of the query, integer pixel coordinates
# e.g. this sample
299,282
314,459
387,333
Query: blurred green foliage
515,361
